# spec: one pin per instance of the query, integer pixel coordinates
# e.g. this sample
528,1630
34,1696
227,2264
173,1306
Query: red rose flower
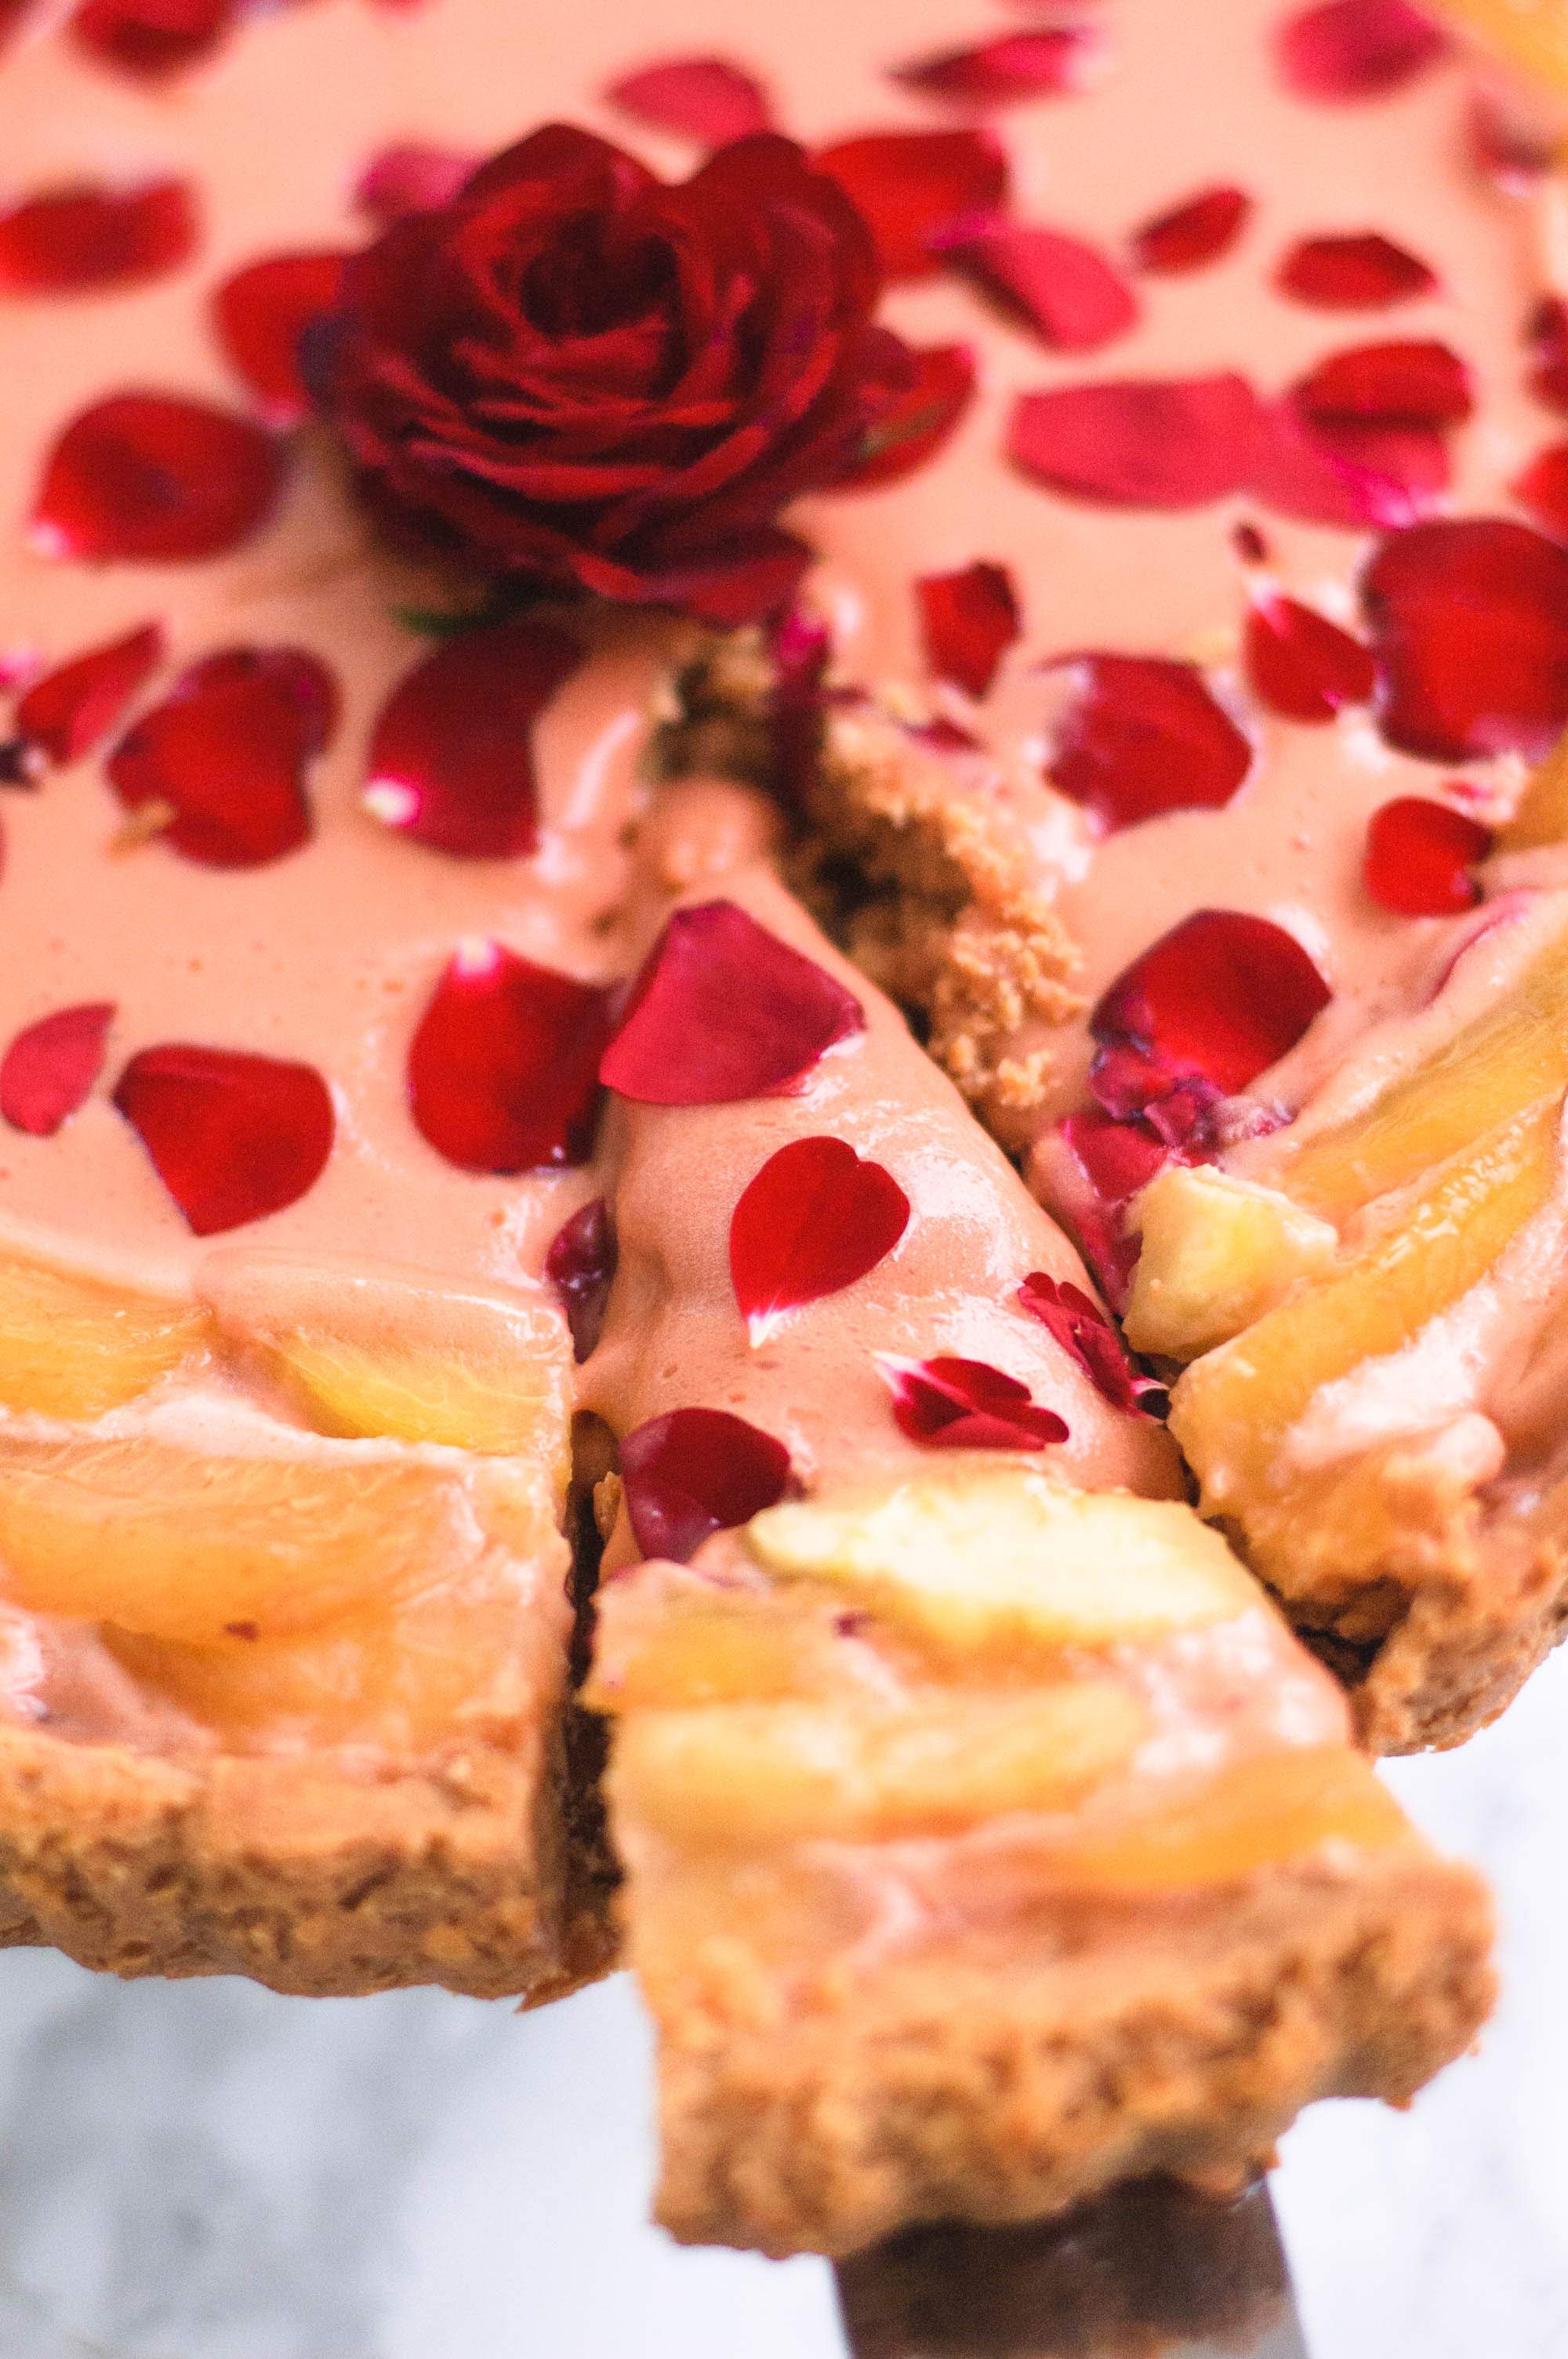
579,375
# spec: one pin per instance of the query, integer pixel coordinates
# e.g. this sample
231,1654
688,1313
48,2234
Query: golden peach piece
72,1347
996,1552
385,1352
1542,814
1218,1252
756,1773
725,1647
1532,34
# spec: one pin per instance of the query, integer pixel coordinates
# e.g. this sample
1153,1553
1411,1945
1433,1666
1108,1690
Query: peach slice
754,1773
73,1346
709,1646
1542,814
1218,1252
388,1351
1532,34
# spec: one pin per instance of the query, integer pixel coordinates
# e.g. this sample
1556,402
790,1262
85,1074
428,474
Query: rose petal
695,1472
66,713
90,235
233,1137
151,478
1090,1168
502,1069
292,674
224,754
1419,857
709,99
1300,664
1084,1331
1186,236
1140,442
910,186
1354,271
910,431
1344,472
970,619
261,312
1469,627
410,177
1222,996
723,1010
1357,48
1543,490
1063,288
150,39
814,1220
951,1403
451,758
1508,144
1046,63
1419,383
580,1265
1546,332
49,1068
1143,735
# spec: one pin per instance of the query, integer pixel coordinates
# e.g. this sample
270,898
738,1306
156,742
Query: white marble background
205,2171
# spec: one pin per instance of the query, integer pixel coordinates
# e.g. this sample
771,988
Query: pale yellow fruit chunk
178,1544
1533,34
72,1347
970,1556
730,1647
390,1353
784,1772
1217,1252
1542,814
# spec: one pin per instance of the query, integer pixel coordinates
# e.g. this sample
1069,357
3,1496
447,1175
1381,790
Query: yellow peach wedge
1541,817
73,1346
1217,1252
1530,33
721,1646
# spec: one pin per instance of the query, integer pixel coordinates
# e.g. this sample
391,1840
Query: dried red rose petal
1088,1169
154,478
1353,271
1357,48
951,1403
293,674
816,1218
695,1472
1140,442
1469,628
1420,856
1546,333
261,312
1222,996
224,755
1300,664
1045,63
969,620
1084,1331
412,176
49,1068
580,1265
1417,382
233,1137
1143,735
1196,230
1063,288
451,758
88,236
502,1069
709,99
66,713
910,186
723,1010
1346,471
910,431
1543,490
152,37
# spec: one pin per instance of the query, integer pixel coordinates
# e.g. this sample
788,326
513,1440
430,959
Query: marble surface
205,2171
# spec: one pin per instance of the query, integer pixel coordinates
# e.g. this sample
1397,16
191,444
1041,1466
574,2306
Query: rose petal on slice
88,236
952,1404
1417,382
1140,442
1357,48
1468,621
969,620
1063,288
1093,1166
451,758
1187,236
1543,490
1420,857
150,39
710,98
1300,664
260,315
412,176
154,478
233,1137
1546,334
49,1068
66,713
912,429
814,1218
502,1069
1346,471
1144,735
224,754
1084,1331
1045,63
293,674
1222,996
695,1472
580,1265
910,186
1353,271
723,1010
